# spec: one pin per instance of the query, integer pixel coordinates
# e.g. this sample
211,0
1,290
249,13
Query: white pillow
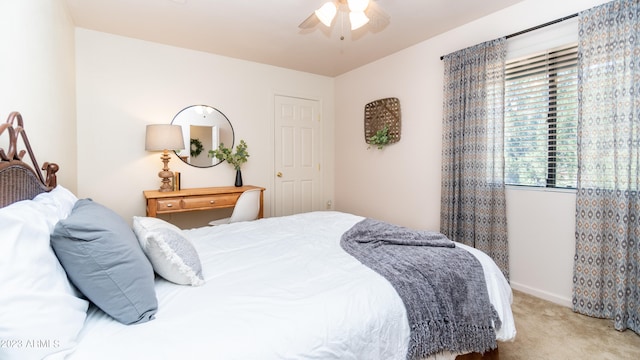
60,200
40,315
171,254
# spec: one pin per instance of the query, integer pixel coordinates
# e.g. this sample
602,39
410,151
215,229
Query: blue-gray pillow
103,259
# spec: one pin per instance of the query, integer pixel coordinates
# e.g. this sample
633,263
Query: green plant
381,137
236,159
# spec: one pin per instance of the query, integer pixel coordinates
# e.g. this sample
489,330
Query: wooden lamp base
165,174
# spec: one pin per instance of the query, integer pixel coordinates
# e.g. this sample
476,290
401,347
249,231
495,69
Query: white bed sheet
276,288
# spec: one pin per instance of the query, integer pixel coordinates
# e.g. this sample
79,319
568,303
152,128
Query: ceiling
266,31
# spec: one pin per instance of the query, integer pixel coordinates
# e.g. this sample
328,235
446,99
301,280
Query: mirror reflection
204,128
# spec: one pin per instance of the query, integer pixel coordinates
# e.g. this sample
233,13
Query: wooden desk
197,199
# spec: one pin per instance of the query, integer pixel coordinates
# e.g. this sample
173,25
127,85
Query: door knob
279,174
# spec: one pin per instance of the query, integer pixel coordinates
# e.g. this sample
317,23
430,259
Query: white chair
246,209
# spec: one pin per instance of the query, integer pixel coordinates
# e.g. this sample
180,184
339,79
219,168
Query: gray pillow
103,259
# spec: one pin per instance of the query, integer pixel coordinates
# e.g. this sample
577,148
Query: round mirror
204,128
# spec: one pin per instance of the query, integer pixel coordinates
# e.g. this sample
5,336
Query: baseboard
554,298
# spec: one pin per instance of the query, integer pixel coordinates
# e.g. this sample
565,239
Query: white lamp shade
162,137
326,13
357,19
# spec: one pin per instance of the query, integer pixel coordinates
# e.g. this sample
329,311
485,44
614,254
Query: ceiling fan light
326,13
358,5
357,19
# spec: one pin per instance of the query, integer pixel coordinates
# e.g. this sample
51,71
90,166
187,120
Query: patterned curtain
606,280
473,209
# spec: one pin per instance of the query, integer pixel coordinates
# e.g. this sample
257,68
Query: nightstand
197,199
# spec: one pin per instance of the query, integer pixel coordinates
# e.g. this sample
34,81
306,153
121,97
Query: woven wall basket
377,114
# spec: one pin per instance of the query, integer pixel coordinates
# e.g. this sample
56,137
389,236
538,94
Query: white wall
123,84
37,79
402,182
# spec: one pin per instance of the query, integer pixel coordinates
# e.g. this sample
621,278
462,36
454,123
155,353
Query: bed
275,288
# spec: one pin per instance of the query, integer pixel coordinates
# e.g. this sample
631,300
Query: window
541,112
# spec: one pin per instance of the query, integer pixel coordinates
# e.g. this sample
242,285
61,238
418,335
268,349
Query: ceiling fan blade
378,18
309,22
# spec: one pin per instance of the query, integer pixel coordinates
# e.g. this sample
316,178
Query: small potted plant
236,159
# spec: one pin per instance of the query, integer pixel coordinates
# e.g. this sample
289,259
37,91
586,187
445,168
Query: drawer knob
211,201
169,205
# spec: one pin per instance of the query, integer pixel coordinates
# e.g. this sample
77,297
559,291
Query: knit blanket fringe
437,336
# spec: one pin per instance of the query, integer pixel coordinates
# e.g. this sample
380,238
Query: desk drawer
210,201
169,204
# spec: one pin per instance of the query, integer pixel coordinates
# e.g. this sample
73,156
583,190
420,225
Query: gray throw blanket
442,286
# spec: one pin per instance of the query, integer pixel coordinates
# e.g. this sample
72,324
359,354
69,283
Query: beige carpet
550,331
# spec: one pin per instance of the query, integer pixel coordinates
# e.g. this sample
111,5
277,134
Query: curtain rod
537,27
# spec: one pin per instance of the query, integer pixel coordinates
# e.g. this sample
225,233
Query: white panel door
298,174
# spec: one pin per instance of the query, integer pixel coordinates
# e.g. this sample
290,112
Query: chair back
247,207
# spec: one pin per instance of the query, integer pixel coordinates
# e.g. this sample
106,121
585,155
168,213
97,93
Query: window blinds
541,111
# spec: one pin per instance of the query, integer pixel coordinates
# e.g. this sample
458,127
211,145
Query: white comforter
276,288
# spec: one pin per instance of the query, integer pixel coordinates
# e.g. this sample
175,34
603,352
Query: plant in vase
236,159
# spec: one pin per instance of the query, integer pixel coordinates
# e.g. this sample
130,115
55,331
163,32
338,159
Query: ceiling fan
360,13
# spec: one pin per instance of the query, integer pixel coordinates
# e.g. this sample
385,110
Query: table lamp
164,137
